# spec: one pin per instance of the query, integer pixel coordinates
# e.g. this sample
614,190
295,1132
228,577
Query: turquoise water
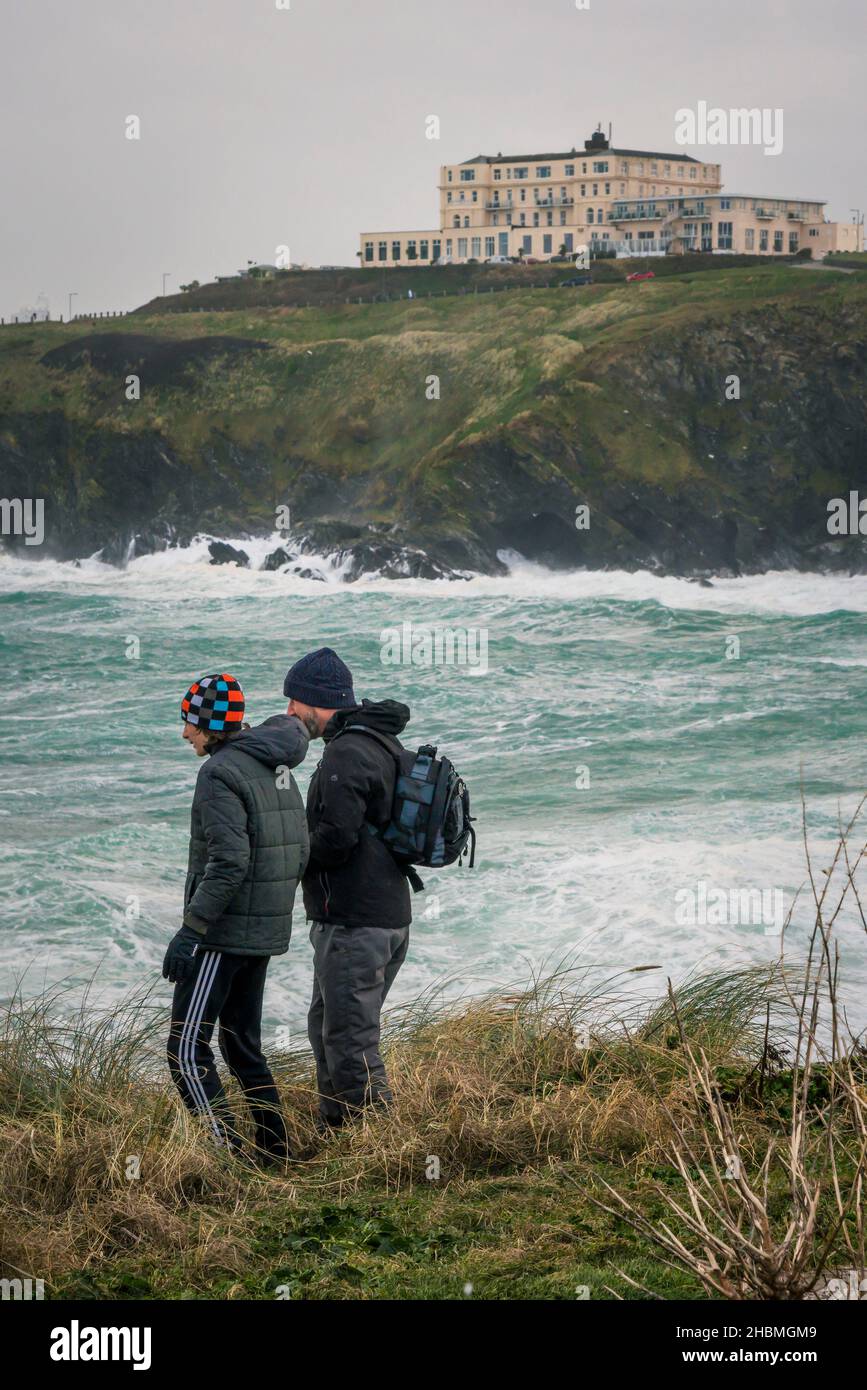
694,761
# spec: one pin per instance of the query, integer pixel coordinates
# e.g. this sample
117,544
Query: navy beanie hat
320,679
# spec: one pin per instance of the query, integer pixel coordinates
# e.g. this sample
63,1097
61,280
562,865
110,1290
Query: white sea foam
186,571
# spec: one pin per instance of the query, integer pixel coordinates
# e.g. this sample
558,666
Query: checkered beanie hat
215,703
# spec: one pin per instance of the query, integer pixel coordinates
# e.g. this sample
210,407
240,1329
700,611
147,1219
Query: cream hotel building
640,202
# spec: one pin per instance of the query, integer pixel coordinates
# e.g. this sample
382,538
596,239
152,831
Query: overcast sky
262,127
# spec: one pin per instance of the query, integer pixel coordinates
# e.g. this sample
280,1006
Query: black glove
180,963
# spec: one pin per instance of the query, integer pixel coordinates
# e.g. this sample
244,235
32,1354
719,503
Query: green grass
608,381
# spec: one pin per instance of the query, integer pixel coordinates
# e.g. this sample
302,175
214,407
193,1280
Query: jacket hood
385,716
280,741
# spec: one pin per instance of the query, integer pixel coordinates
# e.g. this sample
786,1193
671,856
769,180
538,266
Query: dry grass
724,1125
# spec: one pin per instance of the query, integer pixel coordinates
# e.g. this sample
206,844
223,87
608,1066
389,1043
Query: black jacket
248,840
351,877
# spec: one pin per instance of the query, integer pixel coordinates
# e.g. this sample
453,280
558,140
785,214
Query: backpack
430,821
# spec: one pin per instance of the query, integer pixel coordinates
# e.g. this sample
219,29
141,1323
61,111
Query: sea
652,763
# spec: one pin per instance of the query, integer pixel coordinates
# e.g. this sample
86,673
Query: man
355,894
248,849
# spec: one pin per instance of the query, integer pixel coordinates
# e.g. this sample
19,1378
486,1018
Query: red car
641,275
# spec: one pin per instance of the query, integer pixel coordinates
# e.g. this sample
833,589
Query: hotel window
468,176
778,242
692,173
462,246
666,168
590,215
622,189
543,171
608,188
528,245
680,171
814,231
535,219
449,175
583,190
763,239
395,250
549,218
476,246
466,221
489,246
475,196
522,173
596,190
437,250
749,238
654,167
449,246
463,198
495,220
583,168
523,221
547,244
449,196
411,251
456,222
383,250
640,166
569,171
600,215
624,167
600,166
724,236
725,203
563,218
424,251
368,250
497,175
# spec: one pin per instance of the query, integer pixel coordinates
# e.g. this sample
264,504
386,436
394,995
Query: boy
248,850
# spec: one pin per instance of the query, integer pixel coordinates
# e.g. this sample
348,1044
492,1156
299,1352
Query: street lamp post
166,274
73,295
859,223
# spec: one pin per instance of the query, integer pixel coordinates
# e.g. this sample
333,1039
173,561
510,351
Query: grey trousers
353,970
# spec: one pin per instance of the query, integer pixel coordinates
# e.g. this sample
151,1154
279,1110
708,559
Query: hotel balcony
527,207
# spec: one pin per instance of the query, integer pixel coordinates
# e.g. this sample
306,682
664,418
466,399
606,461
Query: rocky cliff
696,425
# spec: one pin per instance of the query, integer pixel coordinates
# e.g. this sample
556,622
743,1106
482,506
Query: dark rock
277,559
157,361
225,554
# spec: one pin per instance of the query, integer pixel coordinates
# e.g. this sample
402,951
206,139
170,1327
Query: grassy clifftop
464,423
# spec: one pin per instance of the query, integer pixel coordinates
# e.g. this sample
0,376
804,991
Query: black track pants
354,968
228,988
